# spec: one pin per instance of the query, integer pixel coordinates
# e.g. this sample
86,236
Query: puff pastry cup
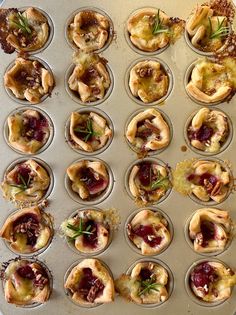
89,30
29,80
26,283
27,230
212,281
27,182
148,131
148,182
23,30
89,179
146,284
90,283
88,230
148,81
151,29
89,131
28,130
149,232
90,78
209,230
208,130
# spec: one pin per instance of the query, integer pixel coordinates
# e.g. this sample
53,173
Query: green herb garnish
149,285
22,23
158,26
88,130
79,229
160,182
23,185
221,31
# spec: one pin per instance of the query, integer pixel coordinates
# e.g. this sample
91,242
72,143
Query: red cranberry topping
29,225
33,128
207,230
145,274
202,275
203,134
26,272
145,173
90,287
94,185
148,235
90,240
209,177
23,174
191,177
89,75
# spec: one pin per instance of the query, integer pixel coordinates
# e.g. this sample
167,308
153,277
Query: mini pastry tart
27,182
28,131
210,82
148,81
208,130
23,30
209,230
208,27
148,231
148,131
26,283
90,78
146,284
89,131
148,182
89,30
151,29
89,283
212,281
88,230
27,230
29,80
89,179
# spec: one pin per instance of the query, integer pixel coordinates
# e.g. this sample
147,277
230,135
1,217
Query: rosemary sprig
158,26
79,229
22,23
221,31
149,285
23,186
160,182
88,130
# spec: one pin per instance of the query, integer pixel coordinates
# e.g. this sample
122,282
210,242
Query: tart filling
147,284
29,80
89,179
26,30
90,78
208,130
28,230
209,230
26,283
89,283
148,182
89,30
148,131
28,131
88,230
212,281
149,232
27,182
89,131
151,29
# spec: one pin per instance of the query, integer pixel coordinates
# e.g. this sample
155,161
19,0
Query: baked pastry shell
154,209
188,289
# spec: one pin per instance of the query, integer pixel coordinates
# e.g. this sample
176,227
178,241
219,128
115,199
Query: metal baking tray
119,106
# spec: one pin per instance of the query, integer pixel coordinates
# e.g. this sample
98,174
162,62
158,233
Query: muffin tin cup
44,114
73,195
168,72
85,111
170,284
189,291
169,227
226,142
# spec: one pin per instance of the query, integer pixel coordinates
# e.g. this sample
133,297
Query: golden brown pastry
148,131
212,281
29,80
90,283
88,230
89,131
145,285
90,78
151,29
89,30
148,182
25,30
28,130
208,130
27,230
27,182
26,283
209,230
149,232
89,179
148,81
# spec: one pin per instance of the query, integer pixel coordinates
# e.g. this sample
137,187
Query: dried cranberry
145,274
145,173
148,235
26,272
211,178
90,239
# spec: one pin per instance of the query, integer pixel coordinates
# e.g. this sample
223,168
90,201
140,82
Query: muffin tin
118,106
